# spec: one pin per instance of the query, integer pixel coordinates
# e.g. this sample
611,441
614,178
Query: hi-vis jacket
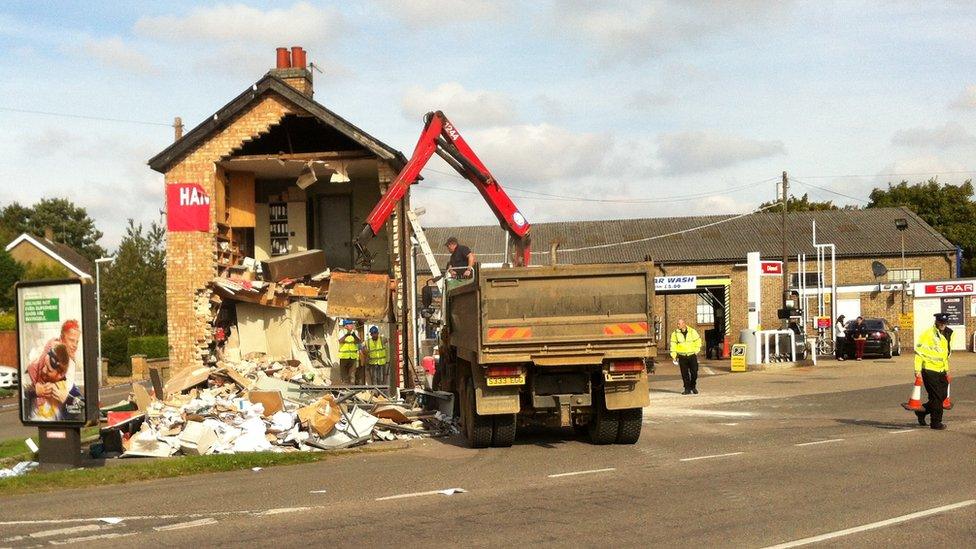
685,344
375,351
348,346
932,352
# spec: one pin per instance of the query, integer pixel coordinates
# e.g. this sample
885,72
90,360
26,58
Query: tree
71,224
794,204
950,209
134,285
10,273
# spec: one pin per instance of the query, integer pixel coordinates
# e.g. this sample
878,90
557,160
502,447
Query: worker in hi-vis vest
349,341
932,363
685,345
376,357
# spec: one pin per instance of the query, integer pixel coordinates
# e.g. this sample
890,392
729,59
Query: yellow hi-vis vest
932,352
685,344
376,351
348,349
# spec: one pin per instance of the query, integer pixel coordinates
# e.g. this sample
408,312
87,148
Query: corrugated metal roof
865,233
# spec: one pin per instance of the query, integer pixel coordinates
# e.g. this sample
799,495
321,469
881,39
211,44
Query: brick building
712,260
248,157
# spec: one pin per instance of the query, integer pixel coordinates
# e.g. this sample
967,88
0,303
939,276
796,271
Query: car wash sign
675,282
187,208
949,287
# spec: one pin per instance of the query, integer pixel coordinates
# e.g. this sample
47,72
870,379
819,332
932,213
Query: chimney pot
284,58
297,57
49,233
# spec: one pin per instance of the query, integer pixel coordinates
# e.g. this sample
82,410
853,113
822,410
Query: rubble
21,468
267,380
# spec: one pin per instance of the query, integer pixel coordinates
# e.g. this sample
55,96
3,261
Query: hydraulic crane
442,137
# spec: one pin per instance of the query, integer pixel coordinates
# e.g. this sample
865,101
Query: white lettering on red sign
191,196
950,288
771,267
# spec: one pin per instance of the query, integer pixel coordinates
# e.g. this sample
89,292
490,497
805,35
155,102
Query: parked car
882,340
8,377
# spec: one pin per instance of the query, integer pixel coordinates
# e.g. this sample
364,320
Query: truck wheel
504,433
604,423
631,421
478,428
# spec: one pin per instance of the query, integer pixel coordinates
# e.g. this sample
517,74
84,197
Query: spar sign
187,208
949,287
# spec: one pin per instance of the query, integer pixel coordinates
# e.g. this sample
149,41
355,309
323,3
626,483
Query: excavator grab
442,137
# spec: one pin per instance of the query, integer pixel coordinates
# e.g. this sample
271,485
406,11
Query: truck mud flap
493,400
621,395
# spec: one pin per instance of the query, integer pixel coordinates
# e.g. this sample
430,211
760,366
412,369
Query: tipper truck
565,345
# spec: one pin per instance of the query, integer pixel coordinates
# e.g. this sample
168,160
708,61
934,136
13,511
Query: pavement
812,455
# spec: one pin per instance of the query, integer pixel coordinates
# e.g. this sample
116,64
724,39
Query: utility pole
786,262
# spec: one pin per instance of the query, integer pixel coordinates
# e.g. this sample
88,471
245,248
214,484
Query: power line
825,189
639,240
85,117
886,174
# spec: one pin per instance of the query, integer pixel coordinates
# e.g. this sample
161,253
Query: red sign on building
187,208
771,267
943,288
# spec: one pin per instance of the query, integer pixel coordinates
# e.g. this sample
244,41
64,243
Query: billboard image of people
51,353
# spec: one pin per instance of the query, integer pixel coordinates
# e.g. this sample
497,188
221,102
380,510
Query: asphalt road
819,454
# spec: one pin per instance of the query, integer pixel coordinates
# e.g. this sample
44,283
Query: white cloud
966,100
541,152
467,108
113,52
921,168
302,22
649,100
419,13
950,135
691,152
636,30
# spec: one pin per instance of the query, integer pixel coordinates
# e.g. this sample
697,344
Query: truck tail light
627,366
503,371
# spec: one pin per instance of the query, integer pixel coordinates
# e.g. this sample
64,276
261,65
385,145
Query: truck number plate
506,380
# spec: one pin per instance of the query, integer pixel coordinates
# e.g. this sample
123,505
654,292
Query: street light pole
98,308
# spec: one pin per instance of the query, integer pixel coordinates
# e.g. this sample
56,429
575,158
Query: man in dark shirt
461,264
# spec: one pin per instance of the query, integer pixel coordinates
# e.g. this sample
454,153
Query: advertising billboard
56,352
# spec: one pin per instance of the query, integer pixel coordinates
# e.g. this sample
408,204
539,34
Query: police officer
685,345
932,363
376,356
349,342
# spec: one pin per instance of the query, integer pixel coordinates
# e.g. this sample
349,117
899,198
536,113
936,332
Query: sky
582,110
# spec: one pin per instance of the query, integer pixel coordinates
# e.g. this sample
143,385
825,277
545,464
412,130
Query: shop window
704,312
904,275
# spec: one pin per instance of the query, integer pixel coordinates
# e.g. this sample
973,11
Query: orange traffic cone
947,403
914,404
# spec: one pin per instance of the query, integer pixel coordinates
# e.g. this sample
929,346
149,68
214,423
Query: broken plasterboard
264,330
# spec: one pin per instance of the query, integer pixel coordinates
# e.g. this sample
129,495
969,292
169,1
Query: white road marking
708,370
730,424
256,512
712,456
874,525
90,538
903,431
591,471
447,492
283,510
667,412
819,442
70,530
190,524
317,491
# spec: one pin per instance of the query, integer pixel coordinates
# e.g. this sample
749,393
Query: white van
8,377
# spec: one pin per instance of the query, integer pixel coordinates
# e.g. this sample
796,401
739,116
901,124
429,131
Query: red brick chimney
291,67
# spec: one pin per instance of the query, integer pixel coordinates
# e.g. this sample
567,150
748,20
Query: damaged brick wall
191,255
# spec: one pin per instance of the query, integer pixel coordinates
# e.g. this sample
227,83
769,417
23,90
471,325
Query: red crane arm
441,137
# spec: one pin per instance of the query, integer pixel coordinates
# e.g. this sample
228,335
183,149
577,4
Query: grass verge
5,392
13,450
151,469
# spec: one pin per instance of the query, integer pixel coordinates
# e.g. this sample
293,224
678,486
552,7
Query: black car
882,339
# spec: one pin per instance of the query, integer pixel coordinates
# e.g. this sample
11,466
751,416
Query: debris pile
212,412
